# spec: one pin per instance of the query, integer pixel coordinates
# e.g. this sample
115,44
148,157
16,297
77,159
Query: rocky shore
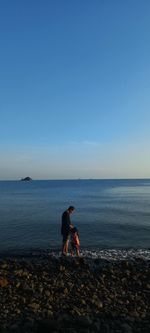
74,295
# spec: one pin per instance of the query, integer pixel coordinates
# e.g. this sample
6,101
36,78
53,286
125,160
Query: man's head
71,209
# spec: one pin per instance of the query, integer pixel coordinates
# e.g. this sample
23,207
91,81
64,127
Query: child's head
74,230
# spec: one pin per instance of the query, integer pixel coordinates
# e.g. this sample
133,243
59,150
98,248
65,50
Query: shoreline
106,253
49,294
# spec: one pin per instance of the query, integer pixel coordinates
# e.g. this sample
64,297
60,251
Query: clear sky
74,89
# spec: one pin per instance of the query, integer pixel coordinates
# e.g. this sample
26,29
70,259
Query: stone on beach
70,295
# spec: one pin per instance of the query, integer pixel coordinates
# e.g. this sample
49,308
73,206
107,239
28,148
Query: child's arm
77,240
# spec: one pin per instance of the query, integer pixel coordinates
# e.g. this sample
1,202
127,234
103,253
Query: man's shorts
66,237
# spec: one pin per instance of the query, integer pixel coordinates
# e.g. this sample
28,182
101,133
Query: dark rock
70,296
26,179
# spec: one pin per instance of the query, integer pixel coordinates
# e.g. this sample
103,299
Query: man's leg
65,244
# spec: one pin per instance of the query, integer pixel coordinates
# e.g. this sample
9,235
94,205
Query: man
65,229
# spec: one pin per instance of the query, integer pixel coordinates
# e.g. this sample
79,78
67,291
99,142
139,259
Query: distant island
26,179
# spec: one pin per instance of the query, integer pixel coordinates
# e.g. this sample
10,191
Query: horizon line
89,178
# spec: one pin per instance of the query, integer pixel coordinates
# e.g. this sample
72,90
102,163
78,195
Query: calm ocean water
110,214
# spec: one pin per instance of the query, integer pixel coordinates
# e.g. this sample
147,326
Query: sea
112,216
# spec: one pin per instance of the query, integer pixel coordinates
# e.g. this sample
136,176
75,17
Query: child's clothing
75,242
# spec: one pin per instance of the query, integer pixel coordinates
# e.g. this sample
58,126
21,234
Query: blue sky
74,89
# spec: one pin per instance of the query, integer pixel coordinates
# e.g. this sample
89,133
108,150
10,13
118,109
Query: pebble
70,296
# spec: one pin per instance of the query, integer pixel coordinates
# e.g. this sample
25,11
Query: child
75,242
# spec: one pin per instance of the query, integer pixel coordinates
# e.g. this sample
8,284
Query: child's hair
73,230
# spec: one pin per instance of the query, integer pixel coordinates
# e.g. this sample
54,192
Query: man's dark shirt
65,226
